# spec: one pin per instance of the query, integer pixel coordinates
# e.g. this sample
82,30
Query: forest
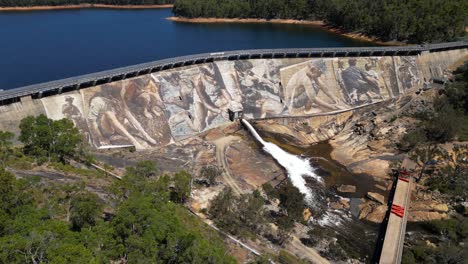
414,21
25,3
140,219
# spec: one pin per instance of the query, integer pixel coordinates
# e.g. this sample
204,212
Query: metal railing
88,80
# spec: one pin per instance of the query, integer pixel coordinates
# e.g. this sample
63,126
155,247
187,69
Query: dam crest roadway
89,80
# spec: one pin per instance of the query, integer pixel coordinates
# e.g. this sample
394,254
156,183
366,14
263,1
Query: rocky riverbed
353,152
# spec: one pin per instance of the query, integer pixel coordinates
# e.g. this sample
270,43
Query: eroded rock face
251,168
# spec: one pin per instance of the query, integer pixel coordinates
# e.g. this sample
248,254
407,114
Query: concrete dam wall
160,108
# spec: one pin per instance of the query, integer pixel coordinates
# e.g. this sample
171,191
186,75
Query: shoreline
81,6
319,23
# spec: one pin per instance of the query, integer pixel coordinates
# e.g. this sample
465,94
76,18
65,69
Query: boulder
421,216
379,145
345,203
336,205
429,206
383,188
443,208
378,214
347,189
376,197
365,210
430,244
307,214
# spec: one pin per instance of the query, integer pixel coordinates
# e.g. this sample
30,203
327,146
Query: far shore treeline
28,3
415,21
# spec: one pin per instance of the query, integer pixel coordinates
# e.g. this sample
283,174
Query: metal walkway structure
390,246
98,78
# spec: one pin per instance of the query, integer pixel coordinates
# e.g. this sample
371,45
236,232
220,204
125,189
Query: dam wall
160,108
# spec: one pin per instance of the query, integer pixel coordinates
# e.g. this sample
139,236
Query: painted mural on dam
129,112
197,98
68,106
325,85
310,87
160,108
259,83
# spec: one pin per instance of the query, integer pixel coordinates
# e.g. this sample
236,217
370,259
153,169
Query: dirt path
221,146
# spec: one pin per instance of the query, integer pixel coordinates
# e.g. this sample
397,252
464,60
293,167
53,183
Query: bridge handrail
201,58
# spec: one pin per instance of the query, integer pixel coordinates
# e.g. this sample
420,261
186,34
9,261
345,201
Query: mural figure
141,98
200,99
73,113
260,96
407,73
193,97
111,122
303,88
361,85
387,67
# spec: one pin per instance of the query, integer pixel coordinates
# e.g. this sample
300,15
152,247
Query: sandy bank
353,35
82,6
244,20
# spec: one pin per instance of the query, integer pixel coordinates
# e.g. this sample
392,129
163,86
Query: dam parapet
148,106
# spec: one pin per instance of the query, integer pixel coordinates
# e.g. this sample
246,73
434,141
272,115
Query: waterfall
297,167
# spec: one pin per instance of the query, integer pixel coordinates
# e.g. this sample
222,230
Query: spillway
297,168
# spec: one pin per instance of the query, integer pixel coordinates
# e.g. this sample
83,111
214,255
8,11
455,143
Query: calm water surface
48,45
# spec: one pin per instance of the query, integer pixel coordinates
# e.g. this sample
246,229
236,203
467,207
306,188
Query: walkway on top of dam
89,80
396,218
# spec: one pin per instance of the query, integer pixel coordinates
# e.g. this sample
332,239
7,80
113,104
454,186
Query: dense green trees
45,138
297,9
6,138
239,215
451,234
76,2
52,223
412,20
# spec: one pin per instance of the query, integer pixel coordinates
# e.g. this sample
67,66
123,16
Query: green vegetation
6,3
448,118
208,175
416,21
145,221
452,178
246,216
242,215
268,9
49,140
63,223
451,233
446,122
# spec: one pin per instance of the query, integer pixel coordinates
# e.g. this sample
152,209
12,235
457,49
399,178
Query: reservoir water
42,46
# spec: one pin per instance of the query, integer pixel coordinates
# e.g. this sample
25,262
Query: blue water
48,45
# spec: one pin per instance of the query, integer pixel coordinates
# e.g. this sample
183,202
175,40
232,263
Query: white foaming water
297,167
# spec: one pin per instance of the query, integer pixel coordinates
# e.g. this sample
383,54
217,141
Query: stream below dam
316,175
